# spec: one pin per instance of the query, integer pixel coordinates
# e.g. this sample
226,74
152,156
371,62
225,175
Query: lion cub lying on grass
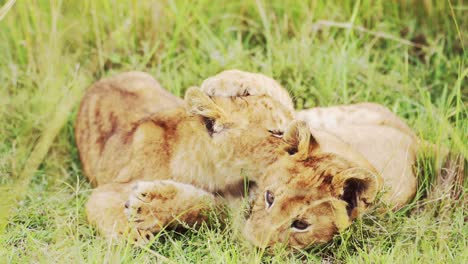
343,157
155,158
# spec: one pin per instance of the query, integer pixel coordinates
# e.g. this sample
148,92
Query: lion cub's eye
300,225
209,124
276,133
269,198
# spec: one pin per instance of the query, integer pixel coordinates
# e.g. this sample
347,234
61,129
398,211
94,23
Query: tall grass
408,55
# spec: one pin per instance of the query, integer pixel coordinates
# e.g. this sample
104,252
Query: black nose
127,204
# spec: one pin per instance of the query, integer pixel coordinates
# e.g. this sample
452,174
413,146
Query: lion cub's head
242,133
312,192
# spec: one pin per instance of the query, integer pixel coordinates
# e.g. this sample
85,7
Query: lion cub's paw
156,204
149,205
140,237
240,83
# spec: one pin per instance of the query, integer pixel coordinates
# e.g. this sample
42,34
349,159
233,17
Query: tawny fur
240,83
347,152
325,178
129,129
372,130
380,136
331,179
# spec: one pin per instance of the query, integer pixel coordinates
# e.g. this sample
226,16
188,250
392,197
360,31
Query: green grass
50,51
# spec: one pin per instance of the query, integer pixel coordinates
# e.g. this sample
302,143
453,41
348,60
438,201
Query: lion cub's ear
198,103
299,141
357,187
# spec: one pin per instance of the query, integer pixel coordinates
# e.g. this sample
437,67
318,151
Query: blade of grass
15,192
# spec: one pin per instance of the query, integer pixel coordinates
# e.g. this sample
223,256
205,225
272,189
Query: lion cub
339,159
156,159
330,179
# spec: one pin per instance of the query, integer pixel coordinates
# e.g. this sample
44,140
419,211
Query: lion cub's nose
127,204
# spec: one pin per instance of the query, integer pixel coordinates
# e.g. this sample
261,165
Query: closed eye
276,133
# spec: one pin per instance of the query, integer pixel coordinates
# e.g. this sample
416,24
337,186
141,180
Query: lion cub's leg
153,205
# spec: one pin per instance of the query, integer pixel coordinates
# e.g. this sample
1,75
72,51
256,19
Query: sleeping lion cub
156,159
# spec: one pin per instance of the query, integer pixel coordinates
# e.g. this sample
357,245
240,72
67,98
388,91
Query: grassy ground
408,55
